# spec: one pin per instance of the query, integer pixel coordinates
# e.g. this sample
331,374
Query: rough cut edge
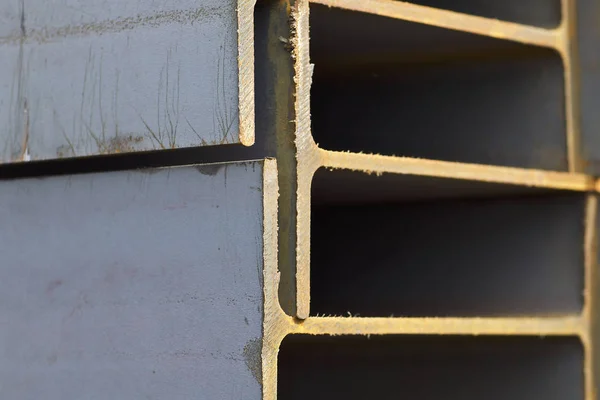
271,309
307,153
378,164
245,18
568,325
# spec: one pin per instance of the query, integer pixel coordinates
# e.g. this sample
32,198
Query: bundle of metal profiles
336,199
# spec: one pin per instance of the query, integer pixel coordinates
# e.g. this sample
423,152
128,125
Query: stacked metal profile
446,219
421,221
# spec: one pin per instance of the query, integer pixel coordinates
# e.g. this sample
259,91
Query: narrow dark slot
588,74
406,89
427,367
416,246
542,13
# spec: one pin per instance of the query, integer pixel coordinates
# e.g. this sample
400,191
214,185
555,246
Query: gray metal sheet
84,77
9,21
132,285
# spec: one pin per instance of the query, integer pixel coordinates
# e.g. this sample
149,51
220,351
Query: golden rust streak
536,326
246,107
446,169
451,20
567,47
590,307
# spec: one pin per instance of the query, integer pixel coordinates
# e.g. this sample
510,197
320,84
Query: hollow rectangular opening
406,245
407,89
426,367
542,13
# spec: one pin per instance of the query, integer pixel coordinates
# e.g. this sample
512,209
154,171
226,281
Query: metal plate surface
87,77
133,285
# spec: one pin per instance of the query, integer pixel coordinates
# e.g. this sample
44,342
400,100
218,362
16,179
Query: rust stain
252,357
120,144
113,145
53,285
209,169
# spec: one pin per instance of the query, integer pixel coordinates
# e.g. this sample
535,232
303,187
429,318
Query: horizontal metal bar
451,20
454,170
571,325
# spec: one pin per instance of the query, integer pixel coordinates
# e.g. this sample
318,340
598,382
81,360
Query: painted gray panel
132,285
9,18
43,14
10,112
119,76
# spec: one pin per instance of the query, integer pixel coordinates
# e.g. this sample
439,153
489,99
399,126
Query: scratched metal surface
132,285
84,77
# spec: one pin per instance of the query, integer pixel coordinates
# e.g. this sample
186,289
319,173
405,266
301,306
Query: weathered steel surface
83,77
133,285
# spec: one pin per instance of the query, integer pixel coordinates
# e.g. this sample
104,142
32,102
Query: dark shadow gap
542,13
416,246
428,367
